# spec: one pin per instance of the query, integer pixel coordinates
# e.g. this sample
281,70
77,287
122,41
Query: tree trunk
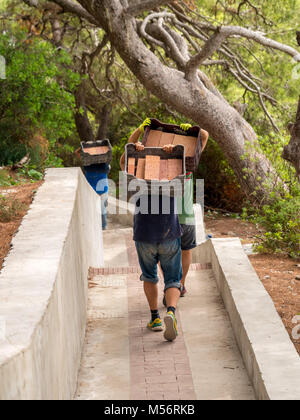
104,119
291,152
234,135
84,128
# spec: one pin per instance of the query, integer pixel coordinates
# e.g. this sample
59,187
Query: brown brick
140,172
163,169
174,168
153,138
101,150
189,143
166,138
152,167
131,166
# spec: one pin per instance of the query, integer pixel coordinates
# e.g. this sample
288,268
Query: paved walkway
123,360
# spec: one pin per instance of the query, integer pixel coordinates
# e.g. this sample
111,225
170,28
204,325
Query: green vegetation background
37,110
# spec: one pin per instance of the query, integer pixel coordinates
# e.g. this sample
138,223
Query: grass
10,209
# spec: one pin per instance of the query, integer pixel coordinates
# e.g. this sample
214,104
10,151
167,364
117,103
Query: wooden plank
140,172
152,167
153,138
163,170
166,138
174,168
189,143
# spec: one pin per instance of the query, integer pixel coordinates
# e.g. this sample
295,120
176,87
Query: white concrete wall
270,357
43,289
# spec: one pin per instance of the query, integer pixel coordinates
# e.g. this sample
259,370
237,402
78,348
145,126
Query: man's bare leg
151,292
186,263
172,297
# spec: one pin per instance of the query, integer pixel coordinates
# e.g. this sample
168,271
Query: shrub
10,209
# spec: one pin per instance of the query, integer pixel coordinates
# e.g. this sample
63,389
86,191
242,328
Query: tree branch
212,45
143,6
221,34
71,7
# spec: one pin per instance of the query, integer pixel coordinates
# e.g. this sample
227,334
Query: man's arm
134,138
204,136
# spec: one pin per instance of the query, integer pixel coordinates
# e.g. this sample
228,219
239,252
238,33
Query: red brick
152,167
174,168
100,150
163,169
131,166
166,138
140,172
161,379
153,138
155,395
189,143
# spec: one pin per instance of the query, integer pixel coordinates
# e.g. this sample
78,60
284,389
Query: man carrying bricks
157,238
187,216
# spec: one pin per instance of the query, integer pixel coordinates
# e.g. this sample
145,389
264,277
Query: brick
171,387
152,167
161,379
166,138
182,368
171,396
100,150
131,166
185,381
155,395
174,168
153,139
140,172
189,143
163,169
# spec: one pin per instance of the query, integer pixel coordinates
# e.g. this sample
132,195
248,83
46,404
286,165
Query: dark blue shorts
188,238
168,254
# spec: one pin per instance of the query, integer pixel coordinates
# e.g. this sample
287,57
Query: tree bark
291,152
191,98
83,125
104,119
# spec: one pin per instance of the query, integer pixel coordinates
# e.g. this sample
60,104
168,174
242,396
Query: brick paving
159,369
122,359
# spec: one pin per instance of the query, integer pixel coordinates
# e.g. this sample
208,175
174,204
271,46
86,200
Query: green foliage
35,98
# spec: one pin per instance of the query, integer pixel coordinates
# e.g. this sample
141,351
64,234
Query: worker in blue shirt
97,177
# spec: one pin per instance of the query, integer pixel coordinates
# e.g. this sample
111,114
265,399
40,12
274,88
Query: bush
10,209
36,99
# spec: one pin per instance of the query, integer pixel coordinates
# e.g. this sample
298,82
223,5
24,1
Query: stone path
123,360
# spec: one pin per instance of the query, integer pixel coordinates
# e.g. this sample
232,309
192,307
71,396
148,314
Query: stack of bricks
160,139
100,150
154,168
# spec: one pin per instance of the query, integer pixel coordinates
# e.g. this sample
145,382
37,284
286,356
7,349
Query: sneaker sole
155,329
170,332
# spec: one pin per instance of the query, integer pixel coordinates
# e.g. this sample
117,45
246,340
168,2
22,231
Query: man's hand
185,127
77,152
146,123
169,148
139,147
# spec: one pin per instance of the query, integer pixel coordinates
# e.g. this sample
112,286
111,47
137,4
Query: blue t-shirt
160,223
97,177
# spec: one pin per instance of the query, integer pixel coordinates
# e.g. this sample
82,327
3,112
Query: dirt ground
24,194
277,272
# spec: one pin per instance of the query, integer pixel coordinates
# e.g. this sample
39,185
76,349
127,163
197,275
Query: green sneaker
155,325
171,331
